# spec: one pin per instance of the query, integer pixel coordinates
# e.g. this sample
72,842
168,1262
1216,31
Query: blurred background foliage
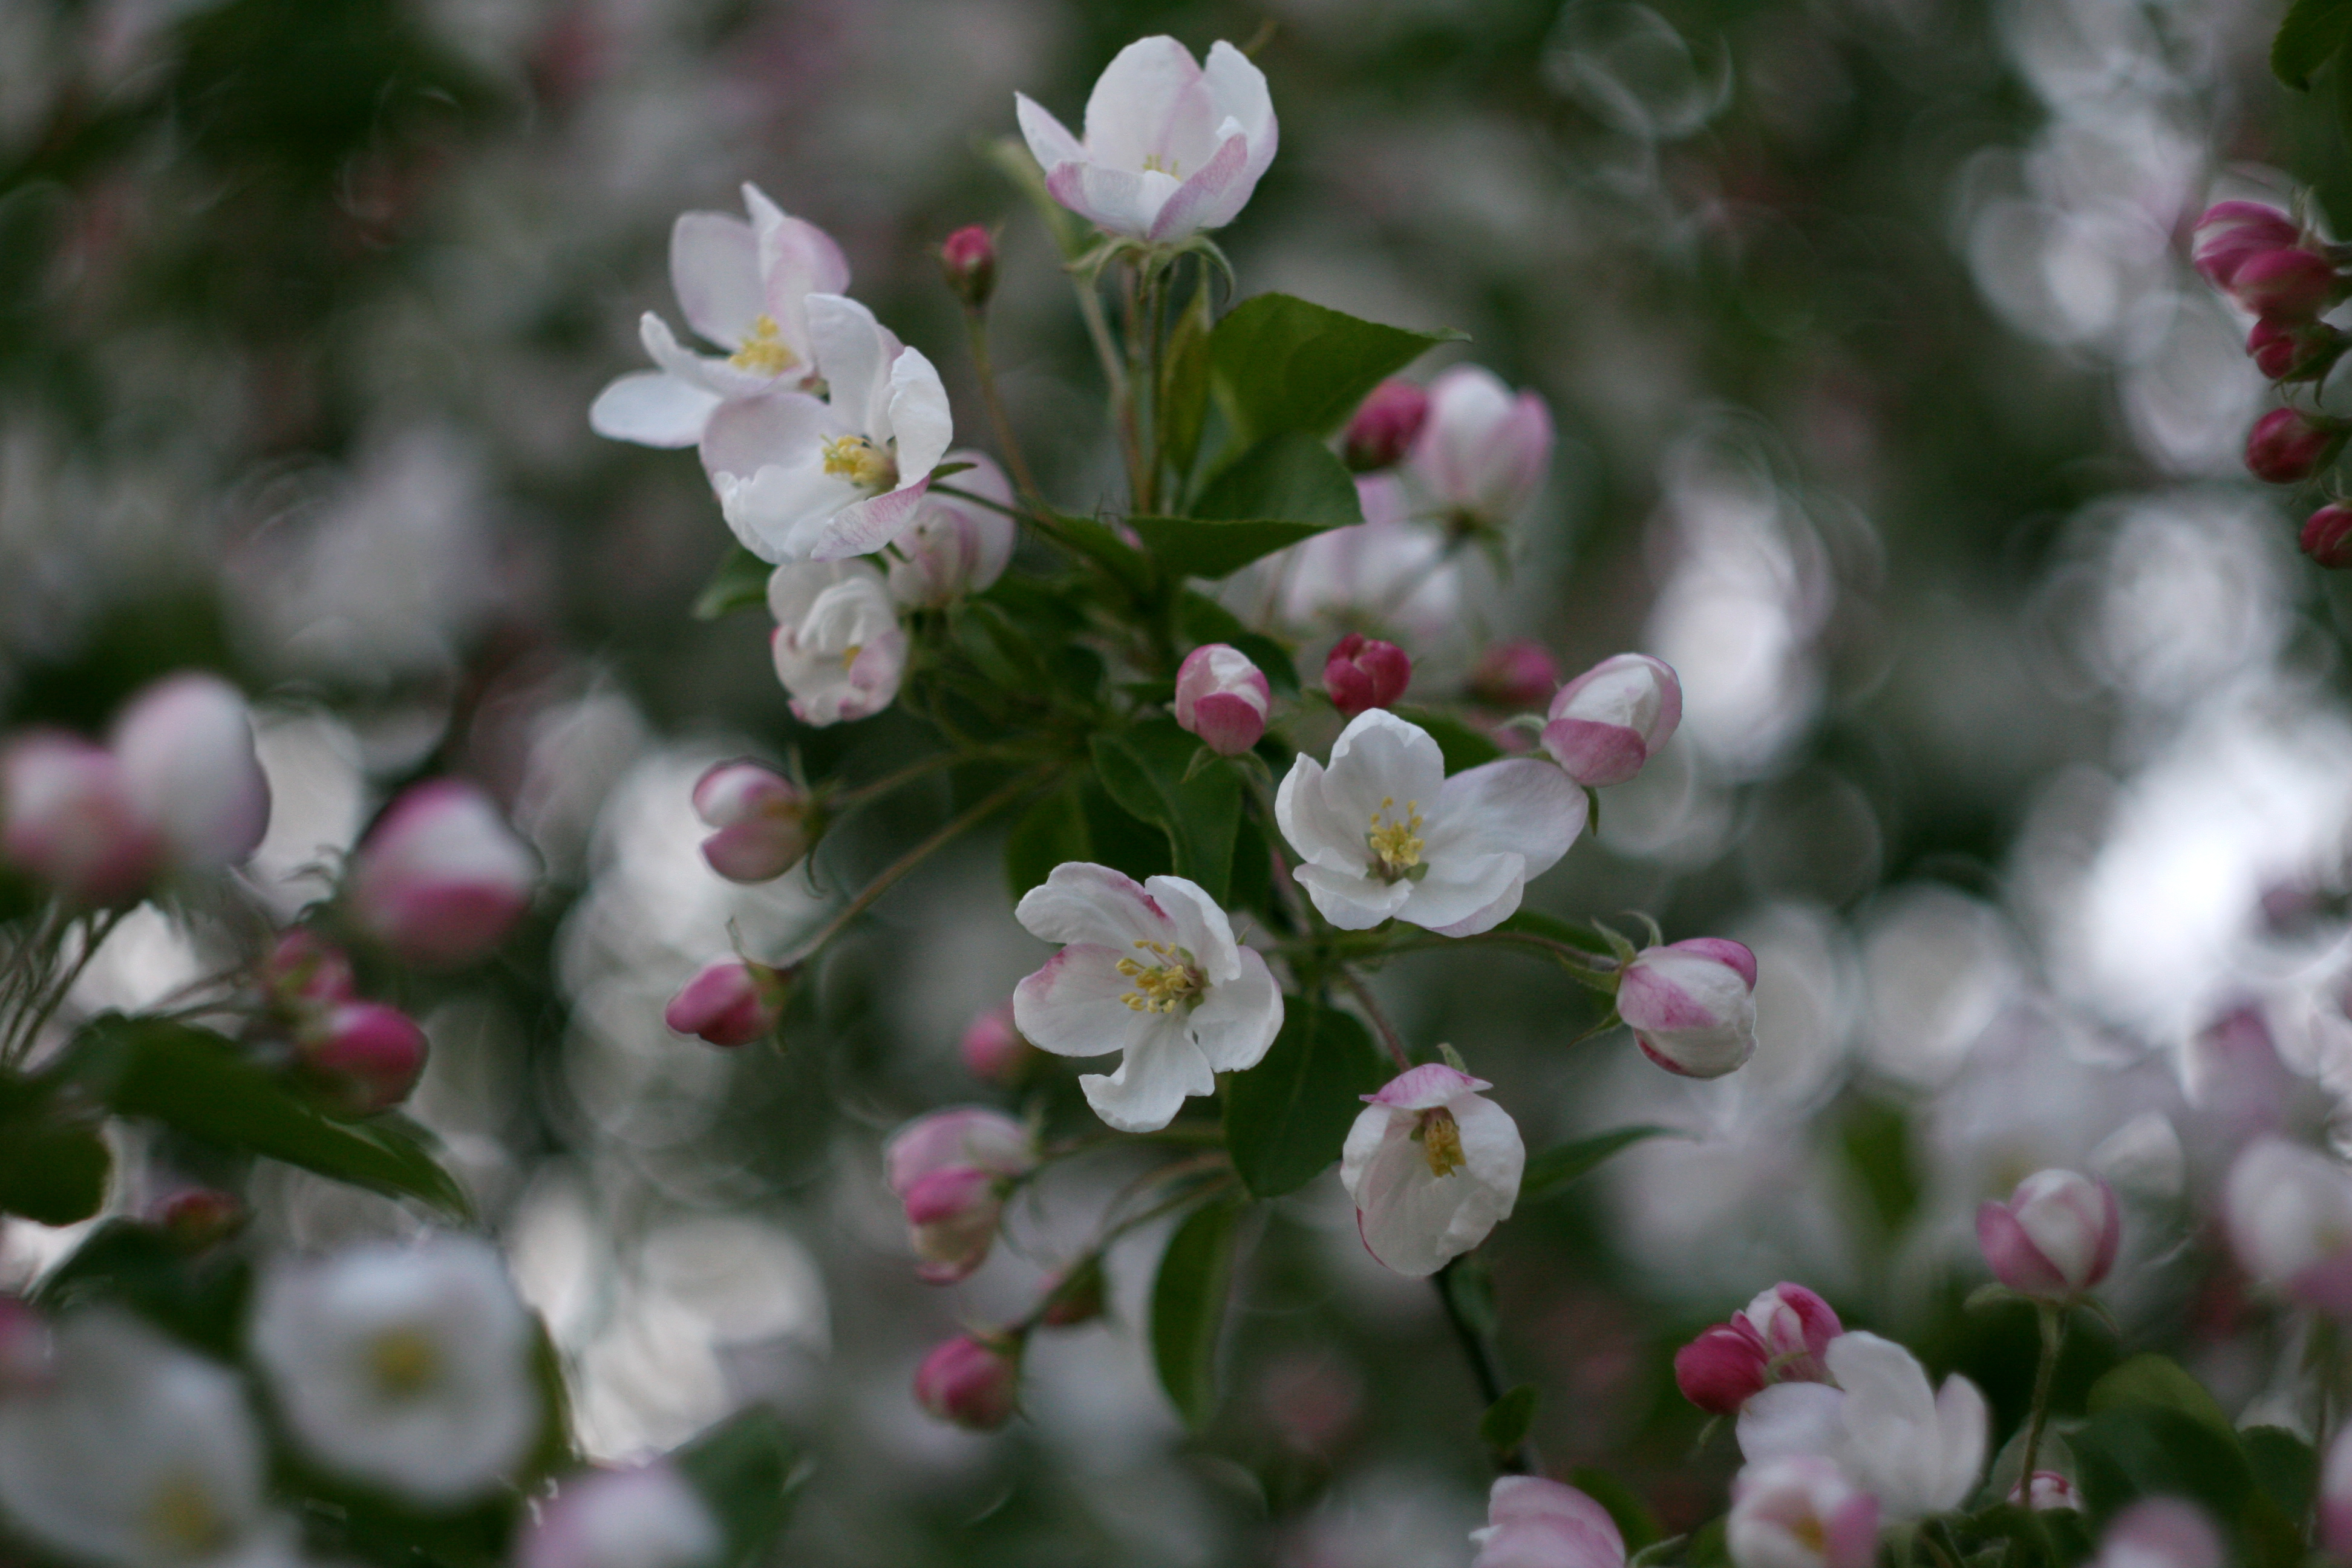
1890,414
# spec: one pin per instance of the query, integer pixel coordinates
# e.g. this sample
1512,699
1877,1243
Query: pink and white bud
1781,1336
441,879
1692,1005
763,820
1485,449
365,1057
1385,427
968,262
2289,1214
2284,285
1532,1522
1518,674
185,745
303,972
649,1517
1362,673
66,817
952,1169
732,1002
1433,1166
2327,536
195,1219
955,547
2160,1532
1613,719
1222,697
2057,1236
2231,233
2335,1497
28,1349
2050,1490
839,647
973,1381
1800,1511
2284,447
993,1049
2294,351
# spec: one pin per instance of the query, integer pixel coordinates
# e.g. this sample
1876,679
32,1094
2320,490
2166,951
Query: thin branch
1389,1036
976,323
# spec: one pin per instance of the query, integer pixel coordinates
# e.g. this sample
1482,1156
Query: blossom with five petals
1917,1451
839,647
1433,1166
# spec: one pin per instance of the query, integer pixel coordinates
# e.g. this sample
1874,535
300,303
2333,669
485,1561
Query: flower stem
94,934
1486,1367
975,325
874,788
2053,1340
1388,1036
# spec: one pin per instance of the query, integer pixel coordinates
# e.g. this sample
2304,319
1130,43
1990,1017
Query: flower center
404,1362
849,655
1395,841
861,462
1812,1531
181,1521
1440,1137
1154,164
1164,986
764,352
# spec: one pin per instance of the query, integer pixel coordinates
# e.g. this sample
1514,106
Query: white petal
853,351
1149,97
1494,1156
917,416
1201,927
653,409
1073,1006
1050,143
864,525
1314,830
1351,901
1238,1019
713,375
1237,91
1150,1086
1462,897
1962,1420
1792,1420
1082,901
1519,806
714,265
1210,196
1378,759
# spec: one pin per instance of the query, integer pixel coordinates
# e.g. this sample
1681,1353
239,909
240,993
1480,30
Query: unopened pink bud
198,1218
1781,1336
2294,351
2230,232
2050,1490
973,1382
731,1003
762,818
2057,1236
1722,1368
2286,284
1692,1005
1385,427
441,879
2327,536
66,817
304,970
995,1050
2284,447
951,1170
366,1056
1363,673
1222,697
186,745
1516,674
2160,1532
1604,725
968,262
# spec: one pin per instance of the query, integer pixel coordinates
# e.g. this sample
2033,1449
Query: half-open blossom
973,1381
2057,1236
1609,721
1383,832
992,1047
744,287
1387,572
968,262
955,546
2336,1497
365,1057
66,817
1385,426
2229,233
2289,1212
2284,447
186,745
2160,1532
1532,1522
1917,1451
804,479
1800,1511
1433,1166
952,1169
1151,970
1692,1005
441,879
1222,697
647,1517
1779,1337
2327,536
838,645
1362,673
1171,147
1483,452
407,1368
761,818
730,1002
1518,673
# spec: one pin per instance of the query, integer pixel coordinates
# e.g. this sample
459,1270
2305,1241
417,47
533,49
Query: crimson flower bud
2293,350
1363,673
197,1218
366,1057
2284,447
2055,1237
1781,1336
2230,232
731,1003
1722,1368
993,1049
304,972
968,262
970,1380
1520,673
66,817
1222,697
441,879
2327,536
1692,1005
2286,284
2050,1490
1611,720
762,818
1385,427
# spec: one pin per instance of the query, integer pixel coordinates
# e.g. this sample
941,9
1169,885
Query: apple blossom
992,1048
647,1517
838,645
968,262
743,286
1171,147
1779,1337
1383,831
407,1368
1433,1166
186,745
955,546
2057,1236
1385,426
1800,1511
2334,1502
303,972
67,818
1362,673
1386,572
952,1169
1222,697
1151,970
804,479
973,1381
1692,1005
2289,1214
2327,536
2228,233
730,1002
2284,445
2287,284
1613,719
763,820
1532,1522
365,1057
441,879
1520,673
1484,451
1917,1451
2050,1490
2160,1532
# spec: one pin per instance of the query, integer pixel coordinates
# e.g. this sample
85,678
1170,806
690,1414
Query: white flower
743,286
404,1367
645,1517
1918,1451
1151,970
1384,832
1386,573
804,479
136,1453
955,546
186,745
2289,1214
1170,149
1800,1511
1432,1168
1484,450
1532,1522
839,647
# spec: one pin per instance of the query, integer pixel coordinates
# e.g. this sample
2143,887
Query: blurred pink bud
762,818
2335,1497
1800,1511
995,1050
732,1002
1222,697
951,1170
185,745
1385,427
973,1382
1363,672
2160,1532
304,970
955,546
2057,1236
1613,719
441,879
1692,1005
66,817
2284,447
2272,346
1536,1524
1516,674
2286,284
1074,1297
968,262
2230,232
1721,1369
27,1353
2327,536
1484,451
2293,350
366,1056
198,1218
649,1517
1779,1337
2050,1489
2289,1214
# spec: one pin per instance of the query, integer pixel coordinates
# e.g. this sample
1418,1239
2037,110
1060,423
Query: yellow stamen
861,462
849,655
1395,840
404,1362
764,352
1440,1141
181,1521
1172,168
1162,987
1811,1531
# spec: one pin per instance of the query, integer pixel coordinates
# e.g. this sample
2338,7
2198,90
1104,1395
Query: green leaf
1188,1309
1203,620
1287,1117
197,1082
1632,1516
1278,492
1143,768
53,1171
1470,1288
1184,384
2284,1467
1051,831
743,1468
2152,1379
135,1266
1127,565
1504,1426
1280,364
2137,1450
1462,746
2313,34
1561,1163
1876,1139
739,584
1535,922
